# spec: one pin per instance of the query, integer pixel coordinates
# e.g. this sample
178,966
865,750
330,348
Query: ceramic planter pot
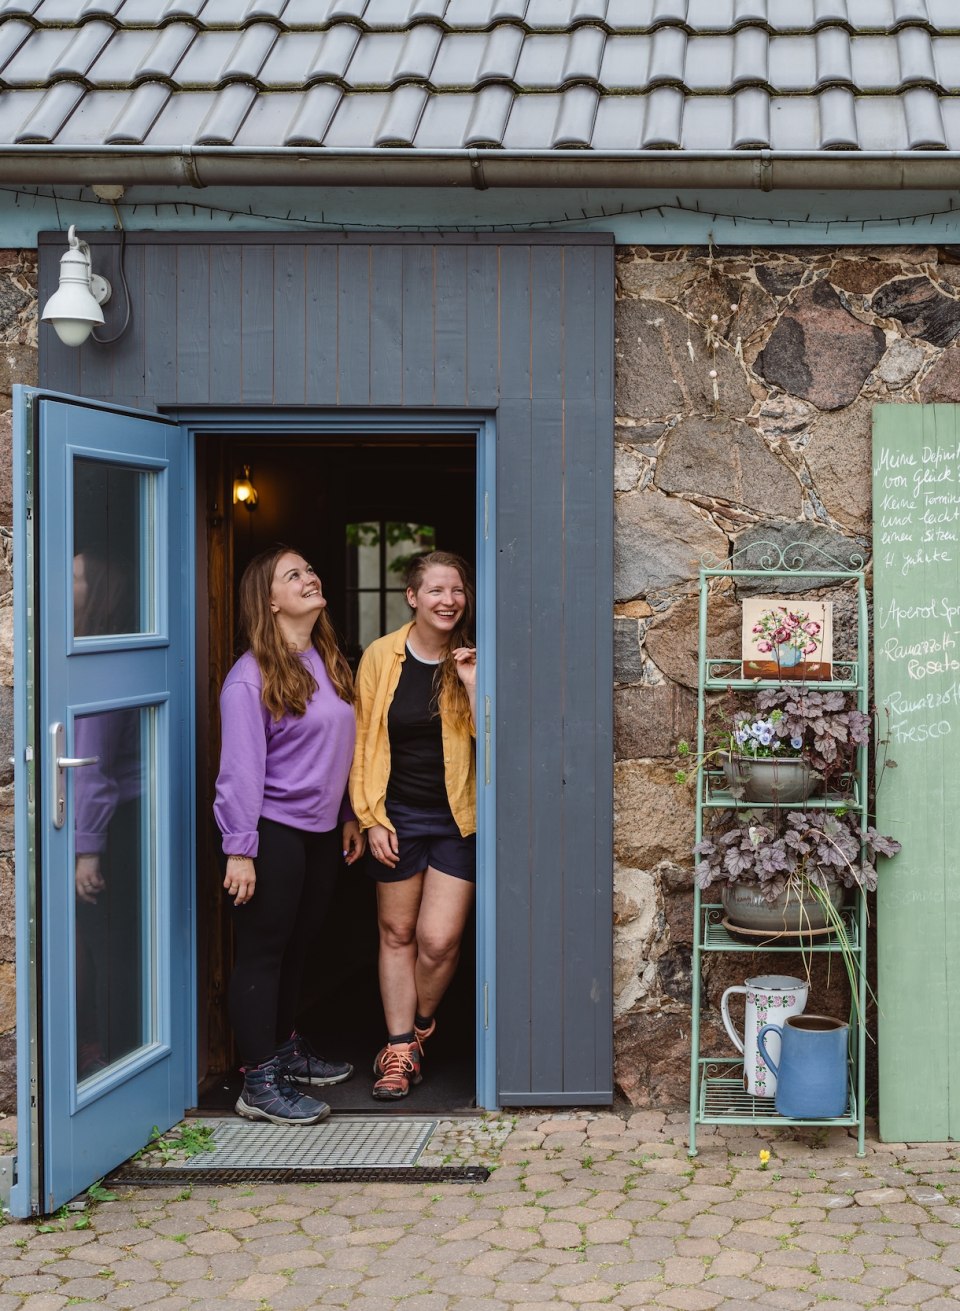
767,780
794,912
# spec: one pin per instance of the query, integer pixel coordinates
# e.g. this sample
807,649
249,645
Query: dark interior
309,490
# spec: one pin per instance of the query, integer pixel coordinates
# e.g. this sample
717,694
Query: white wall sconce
74,308
244,492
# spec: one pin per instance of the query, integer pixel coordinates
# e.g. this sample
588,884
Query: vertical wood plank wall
520,327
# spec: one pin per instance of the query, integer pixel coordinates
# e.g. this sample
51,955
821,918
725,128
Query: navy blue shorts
427,837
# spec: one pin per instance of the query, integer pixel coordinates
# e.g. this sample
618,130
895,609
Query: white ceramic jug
769,999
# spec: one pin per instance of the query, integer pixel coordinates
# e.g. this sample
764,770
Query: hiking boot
421,1036
267,1095
301,1064
398,1065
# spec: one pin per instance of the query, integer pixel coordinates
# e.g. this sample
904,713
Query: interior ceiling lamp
244,492
74,308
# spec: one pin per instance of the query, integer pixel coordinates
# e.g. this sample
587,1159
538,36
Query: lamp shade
74,308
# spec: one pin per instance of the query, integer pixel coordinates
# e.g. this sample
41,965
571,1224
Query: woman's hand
89,881
384,845
241,879
353,842
465,659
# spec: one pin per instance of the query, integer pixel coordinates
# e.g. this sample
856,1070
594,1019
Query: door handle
58,778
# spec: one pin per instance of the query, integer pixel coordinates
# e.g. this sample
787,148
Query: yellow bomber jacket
377,679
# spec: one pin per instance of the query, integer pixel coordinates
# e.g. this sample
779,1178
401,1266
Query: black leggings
296,877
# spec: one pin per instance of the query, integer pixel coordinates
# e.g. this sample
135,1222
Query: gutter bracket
476,171
190,167
766,171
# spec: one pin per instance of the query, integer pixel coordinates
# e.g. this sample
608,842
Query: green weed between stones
188,1140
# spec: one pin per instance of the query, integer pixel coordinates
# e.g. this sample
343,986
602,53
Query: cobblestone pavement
581,1211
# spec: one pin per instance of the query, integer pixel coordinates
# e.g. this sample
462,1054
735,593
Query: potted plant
780,745
785,872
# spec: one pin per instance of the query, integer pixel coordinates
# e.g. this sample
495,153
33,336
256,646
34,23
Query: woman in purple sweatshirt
287,738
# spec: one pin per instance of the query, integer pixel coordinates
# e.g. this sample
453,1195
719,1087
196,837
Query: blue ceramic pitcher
812,1074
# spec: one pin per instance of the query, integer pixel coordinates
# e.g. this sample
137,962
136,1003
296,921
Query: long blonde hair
451,695
287,682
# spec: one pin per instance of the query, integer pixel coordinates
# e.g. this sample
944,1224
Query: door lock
59,764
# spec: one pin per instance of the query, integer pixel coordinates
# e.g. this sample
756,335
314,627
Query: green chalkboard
916,646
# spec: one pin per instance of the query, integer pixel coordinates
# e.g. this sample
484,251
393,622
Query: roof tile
138,115
86,44
18,8
166,51
916,57
925,130
181,9
418,54
311,121
663,119
751,119
751,47
501,53
250,53
838,119
488,118
668,52
584,55
573,128
12,37
334,53
269,9
833,57
401,118
101,8
226,114
46,121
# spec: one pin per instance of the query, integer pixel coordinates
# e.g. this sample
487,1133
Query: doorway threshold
353,1148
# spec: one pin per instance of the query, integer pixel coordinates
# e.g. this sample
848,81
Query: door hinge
8,1177
486,1005
486,515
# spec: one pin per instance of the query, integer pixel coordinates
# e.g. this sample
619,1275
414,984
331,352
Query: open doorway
356,505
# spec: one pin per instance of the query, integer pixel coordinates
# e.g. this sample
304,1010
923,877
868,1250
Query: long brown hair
451,695
287,682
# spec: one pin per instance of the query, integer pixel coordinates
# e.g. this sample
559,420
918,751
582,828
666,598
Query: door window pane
113,517
378,553
114,877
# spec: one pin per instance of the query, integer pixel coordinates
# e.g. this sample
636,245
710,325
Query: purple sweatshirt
292,770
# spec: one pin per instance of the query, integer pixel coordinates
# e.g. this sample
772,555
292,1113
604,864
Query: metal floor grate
339,1143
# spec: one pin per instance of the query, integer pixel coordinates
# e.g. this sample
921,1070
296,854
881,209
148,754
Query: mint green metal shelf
722,1099
717,1095
715,937
716,796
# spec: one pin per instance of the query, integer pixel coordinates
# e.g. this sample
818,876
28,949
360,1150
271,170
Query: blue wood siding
518,326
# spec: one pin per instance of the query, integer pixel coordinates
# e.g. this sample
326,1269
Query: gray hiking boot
267,1095
301,1064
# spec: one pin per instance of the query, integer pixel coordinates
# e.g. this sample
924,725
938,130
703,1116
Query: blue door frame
35,1139
197,424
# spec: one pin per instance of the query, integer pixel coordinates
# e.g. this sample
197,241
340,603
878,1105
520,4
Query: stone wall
744,386
18,363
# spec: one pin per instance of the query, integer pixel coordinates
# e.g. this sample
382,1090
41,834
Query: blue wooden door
102,789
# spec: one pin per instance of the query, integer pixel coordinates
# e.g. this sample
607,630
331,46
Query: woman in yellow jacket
413,789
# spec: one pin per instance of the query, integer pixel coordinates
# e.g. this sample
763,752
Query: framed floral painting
787,639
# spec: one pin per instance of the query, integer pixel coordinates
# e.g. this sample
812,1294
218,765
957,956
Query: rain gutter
221,165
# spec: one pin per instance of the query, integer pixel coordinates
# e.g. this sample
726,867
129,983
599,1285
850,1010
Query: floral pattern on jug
767,997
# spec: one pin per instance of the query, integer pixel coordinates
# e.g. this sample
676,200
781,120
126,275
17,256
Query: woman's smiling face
440,600
295,591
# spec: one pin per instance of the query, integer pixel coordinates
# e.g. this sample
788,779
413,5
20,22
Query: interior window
377,555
